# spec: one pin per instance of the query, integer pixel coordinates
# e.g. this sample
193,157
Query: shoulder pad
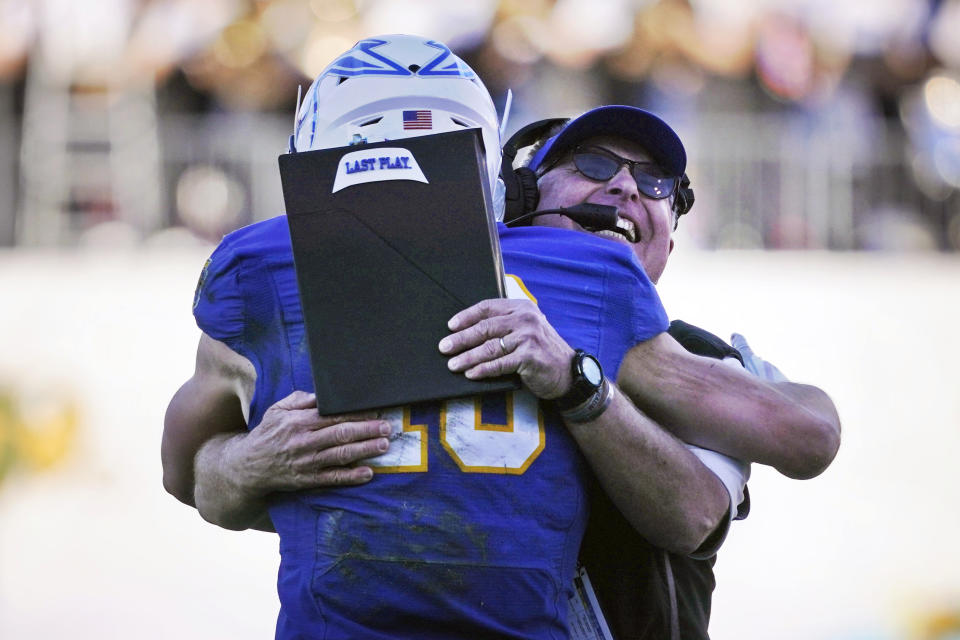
701,342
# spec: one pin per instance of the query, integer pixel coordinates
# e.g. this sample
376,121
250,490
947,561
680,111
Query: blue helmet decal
454,68
362,60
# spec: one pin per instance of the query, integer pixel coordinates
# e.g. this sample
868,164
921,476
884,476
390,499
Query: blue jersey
592,290
472,525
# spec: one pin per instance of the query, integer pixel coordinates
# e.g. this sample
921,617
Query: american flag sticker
419,119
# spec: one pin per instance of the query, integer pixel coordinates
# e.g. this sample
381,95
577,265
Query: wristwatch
589,395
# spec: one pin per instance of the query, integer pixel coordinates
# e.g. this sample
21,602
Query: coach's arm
665,492
211,461
792,427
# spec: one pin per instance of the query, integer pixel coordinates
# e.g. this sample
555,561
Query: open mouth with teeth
625,231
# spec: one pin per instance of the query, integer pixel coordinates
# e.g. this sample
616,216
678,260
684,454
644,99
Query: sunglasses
601,165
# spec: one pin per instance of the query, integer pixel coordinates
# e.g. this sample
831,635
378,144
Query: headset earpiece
529,193
521,193
683,201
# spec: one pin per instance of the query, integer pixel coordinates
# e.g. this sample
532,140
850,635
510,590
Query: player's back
471,526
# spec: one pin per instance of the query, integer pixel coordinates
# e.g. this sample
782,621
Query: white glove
754,363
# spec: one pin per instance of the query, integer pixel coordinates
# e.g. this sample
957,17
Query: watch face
591,370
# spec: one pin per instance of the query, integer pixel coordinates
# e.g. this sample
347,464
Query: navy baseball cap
631,123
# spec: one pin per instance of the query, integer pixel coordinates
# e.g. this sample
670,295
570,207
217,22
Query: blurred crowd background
128,121
824,145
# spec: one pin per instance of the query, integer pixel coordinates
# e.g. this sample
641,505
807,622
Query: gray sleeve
734,475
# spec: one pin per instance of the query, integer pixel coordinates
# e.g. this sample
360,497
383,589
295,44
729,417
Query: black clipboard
390,240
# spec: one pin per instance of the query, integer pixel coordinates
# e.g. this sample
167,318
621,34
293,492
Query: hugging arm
658,484
211,461
792,427
211,403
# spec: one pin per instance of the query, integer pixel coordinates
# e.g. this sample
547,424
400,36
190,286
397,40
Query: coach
629,158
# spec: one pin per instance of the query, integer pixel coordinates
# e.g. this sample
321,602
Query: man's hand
292,448
295,448
498,337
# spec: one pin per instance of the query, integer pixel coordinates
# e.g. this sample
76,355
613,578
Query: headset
522,194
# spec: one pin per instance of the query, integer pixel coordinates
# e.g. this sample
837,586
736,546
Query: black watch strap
584,380
590,393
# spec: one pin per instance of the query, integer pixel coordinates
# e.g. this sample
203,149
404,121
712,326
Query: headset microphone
593,216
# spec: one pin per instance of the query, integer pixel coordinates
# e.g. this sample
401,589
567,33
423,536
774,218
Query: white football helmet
397,86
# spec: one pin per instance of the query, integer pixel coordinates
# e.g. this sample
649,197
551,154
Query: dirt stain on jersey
414,538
